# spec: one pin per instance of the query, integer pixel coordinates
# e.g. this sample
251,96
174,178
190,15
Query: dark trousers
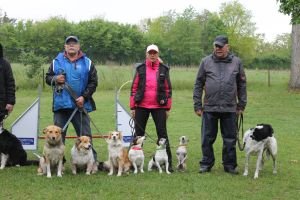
80,121
209,134
160,119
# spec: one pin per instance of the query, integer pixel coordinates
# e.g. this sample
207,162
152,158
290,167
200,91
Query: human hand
167,114
9,107
199,113
239,112
132,113
80,102
60,79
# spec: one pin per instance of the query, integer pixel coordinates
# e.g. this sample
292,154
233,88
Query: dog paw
245,174
256,176
142,171
119,174
88,173
274,172
109,174
48,176
135,172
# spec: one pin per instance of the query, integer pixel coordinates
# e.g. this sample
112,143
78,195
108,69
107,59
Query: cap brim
219,43
152,50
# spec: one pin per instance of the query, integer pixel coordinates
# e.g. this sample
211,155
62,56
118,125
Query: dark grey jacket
224,85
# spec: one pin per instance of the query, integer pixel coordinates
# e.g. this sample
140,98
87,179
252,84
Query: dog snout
53,138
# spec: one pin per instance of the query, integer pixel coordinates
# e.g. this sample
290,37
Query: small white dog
181,153
256,141
53,152
160,157
82,156
117,154
136,154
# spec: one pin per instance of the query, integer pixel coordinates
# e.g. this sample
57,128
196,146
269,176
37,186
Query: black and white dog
11,149
256,141
160,157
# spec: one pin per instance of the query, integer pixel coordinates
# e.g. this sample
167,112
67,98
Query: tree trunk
295,67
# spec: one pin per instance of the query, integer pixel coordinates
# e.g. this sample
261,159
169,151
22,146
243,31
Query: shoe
232,171
204,170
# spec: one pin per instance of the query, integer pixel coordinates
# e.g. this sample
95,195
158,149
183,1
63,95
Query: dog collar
136,148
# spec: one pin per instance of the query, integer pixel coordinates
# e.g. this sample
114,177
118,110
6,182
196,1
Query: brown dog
117,154
82,156
53,152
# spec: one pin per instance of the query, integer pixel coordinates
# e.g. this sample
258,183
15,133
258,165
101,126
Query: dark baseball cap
71,38
221,40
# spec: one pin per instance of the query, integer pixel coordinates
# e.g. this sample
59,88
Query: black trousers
160,119
209,134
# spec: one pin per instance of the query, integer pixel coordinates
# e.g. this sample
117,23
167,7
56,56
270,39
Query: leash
74,96
239,124
133,128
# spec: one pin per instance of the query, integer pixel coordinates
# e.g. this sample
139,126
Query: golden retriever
53,152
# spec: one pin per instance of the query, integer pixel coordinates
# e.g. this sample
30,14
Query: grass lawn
275,105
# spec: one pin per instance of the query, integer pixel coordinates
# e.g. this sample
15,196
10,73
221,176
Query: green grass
275,105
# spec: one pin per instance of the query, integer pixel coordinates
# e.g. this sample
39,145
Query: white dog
256,141
82,156
136,154
181,153
160,157
117,154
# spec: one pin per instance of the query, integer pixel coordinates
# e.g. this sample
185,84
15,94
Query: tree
292,8
240,30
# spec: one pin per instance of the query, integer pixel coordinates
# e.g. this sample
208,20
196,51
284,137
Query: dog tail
268,154
37,155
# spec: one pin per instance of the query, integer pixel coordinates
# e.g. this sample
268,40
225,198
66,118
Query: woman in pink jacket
151,92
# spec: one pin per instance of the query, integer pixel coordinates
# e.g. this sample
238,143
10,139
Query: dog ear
45,130
120,135
77,141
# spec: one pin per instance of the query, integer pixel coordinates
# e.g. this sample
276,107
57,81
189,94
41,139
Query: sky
266,16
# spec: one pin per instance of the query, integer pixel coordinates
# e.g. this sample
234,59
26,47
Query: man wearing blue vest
74,79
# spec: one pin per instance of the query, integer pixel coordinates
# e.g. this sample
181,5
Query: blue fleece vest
76,76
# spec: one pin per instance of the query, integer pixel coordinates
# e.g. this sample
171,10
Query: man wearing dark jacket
222,79
7,85
74,79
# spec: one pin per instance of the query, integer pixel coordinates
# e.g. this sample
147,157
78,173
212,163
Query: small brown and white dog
181,153
117,154
82,156
257,141
53,152
160,157
136,154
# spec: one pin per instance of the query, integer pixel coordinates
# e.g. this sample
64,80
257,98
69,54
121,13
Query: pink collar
136,148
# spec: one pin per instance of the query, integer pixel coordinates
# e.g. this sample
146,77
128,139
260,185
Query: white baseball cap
152,47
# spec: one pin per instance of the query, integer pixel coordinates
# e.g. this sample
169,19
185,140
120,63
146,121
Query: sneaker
232,171
204,170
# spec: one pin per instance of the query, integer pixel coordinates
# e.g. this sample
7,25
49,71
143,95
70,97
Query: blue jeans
80,121
209,134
